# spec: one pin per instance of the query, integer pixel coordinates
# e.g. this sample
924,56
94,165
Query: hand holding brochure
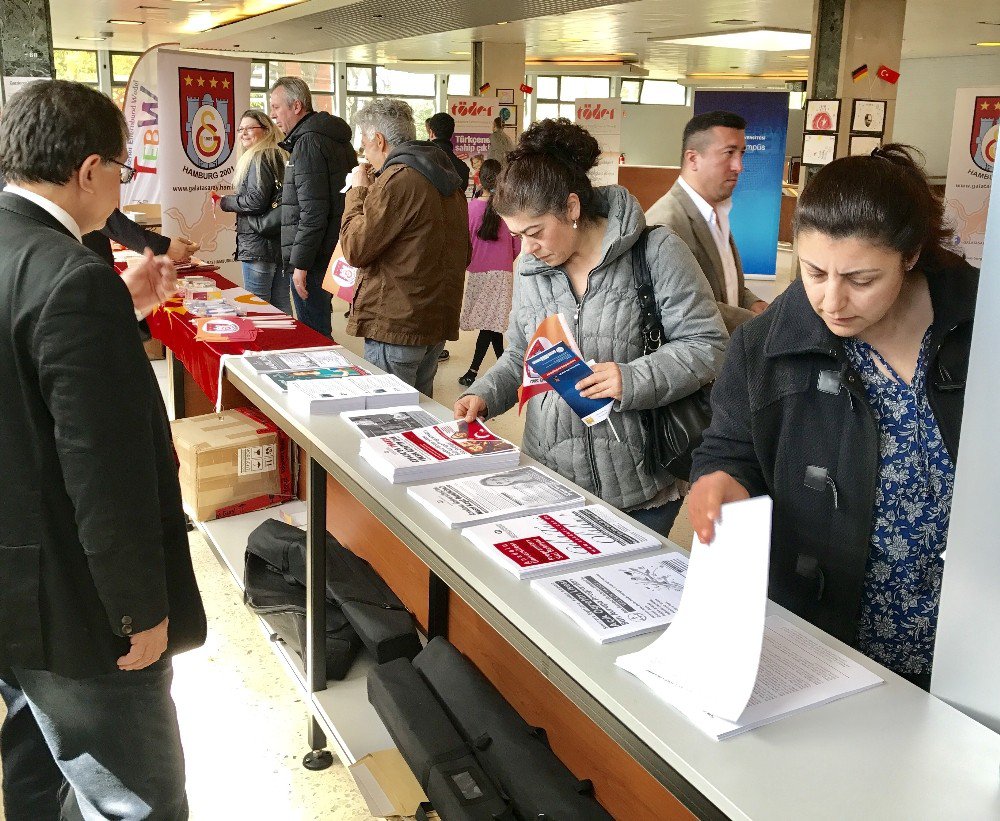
562,367
720,663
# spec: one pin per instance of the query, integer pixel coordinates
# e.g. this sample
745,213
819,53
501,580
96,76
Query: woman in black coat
257,181
843,401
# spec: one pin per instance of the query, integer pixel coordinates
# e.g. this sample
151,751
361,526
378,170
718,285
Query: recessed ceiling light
764,39
503,22
127,22
187,1
733,21
93,39
988,45
797,56
461,53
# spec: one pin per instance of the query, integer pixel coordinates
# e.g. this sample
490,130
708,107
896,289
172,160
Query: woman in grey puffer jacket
577,242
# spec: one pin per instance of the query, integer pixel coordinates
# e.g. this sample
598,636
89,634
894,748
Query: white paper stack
297,360
621,600
383,423
282,379
477,500
446,449
349,394
721,663
563,540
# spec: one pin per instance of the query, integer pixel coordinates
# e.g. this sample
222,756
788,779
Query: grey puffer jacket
605,322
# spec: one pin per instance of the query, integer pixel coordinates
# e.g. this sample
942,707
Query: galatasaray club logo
985,131
208,128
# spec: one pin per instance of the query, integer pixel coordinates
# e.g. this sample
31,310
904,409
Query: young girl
490,283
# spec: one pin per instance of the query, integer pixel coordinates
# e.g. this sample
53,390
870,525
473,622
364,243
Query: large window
459,85
320,77
122,64
365,83
662,92
556,95
77,65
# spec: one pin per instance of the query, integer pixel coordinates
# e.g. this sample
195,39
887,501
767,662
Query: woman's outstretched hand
706,499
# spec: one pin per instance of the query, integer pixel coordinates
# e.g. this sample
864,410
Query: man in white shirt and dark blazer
697,209
97,590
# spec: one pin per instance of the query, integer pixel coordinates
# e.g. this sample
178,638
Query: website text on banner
757,199
200,100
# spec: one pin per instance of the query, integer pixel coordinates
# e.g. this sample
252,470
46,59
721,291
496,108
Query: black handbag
268,224
674,430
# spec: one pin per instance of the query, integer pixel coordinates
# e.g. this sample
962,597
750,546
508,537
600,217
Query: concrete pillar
502,66
26,39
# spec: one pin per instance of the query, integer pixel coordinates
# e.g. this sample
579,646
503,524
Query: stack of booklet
358,392
563,540
383,423
282,379
724,663
619,600
297,359
446,449
479,499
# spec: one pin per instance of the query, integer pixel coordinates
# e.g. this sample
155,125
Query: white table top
891,752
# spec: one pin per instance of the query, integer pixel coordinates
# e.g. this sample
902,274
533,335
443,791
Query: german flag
859,72
484,88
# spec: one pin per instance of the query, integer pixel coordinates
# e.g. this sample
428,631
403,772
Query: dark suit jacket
93,544
125,232
677,211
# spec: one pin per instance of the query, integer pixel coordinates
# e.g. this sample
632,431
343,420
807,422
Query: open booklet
723,663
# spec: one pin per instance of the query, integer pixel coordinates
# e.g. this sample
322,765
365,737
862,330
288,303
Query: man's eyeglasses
249,128
126,172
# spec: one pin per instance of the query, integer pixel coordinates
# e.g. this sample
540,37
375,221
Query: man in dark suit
697,209
96,584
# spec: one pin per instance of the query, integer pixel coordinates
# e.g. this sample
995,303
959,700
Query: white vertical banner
473,125
602,117
974,140
201,98
141,108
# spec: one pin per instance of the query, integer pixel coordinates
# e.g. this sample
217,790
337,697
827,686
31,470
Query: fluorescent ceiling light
127,22
762,39
988,45
93,39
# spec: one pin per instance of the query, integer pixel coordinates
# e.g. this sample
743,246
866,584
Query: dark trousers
661,519
483,342
315,311
104,747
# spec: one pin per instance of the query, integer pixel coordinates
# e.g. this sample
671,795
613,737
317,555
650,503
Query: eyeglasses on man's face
125,172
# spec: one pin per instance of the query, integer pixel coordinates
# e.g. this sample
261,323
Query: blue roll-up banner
757,199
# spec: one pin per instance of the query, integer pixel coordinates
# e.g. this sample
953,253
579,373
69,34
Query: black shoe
468,378
443,355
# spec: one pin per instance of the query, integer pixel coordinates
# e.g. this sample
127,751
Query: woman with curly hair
577,242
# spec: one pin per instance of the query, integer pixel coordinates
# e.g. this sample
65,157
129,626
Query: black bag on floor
282,602
380,619
442,762
514,754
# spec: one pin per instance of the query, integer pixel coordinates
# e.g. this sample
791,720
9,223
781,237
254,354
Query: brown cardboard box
388,786
231,462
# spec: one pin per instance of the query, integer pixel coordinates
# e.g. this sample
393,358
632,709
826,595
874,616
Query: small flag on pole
484,88
887,74
859,72
526,88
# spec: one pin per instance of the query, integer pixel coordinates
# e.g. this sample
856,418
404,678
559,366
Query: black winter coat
254,198
788,400
312,205
461,168
93,543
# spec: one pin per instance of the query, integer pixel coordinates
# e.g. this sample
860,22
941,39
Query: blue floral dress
916,477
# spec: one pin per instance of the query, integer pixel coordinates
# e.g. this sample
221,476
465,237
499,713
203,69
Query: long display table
894,752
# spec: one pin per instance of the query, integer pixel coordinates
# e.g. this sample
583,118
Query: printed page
620,600
386,422
712,648
297,360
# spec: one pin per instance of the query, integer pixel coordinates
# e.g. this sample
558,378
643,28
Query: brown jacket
411,246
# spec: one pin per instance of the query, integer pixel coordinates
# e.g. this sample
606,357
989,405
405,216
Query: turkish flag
887,74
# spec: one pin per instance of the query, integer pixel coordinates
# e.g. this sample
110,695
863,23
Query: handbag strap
650,322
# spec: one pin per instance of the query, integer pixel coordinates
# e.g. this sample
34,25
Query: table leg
175,375
315,656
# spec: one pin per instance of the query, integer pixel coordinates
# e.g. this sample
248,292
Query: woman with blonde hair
257,204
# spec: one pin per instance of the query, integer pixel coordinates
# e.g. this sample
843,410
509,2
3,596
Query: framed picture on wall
818,149
868,116
507,114
505,96
822,116
862,146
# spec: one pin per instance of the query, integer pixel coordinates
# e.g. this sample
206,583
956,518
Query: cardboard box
232,462
387,784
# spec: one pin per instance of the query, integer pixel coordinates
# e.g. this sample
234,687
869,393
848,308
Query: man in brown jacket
406,229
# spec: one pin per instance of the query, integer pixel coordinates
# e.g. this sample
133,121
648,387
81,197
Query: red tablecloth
171,324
